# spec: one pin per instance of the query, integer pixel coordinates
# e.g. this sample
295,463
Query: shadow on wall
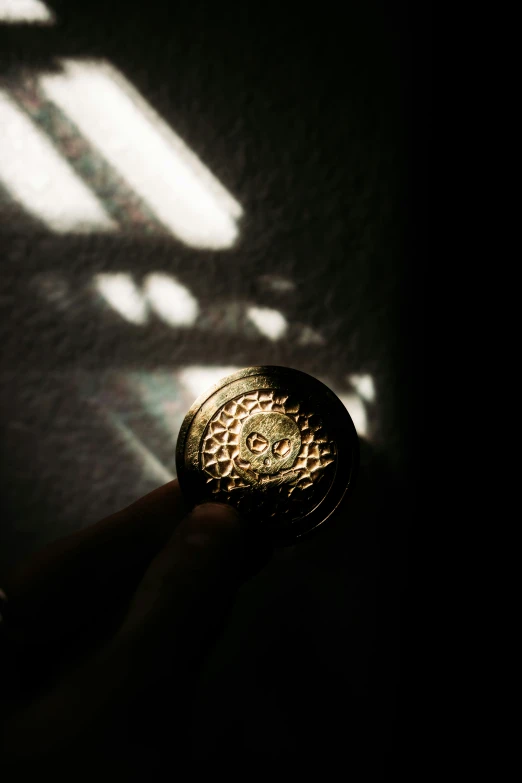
134,280
180,199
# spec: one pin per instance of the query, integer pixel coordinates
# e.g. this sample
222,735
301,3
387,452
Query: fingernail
218,512
211,521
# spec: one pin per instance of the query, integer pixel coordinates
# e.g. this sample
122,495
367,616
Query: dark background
310,119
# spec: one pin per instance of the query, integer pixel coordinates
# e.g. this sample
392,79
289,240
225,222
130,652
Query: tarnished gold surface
275,443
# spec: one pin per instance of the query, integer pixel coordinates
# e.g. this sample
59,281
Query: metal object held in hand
275,443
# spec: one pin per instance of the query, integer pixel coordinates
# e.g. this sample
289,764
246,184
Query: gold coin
273,442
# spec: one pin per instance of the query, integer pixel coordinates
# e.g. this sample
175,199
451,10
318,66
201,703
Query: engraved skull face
269,442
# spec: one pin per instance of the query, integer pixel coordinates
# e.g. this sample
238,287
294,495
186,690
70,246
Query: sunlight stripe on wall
152,159
25,11
36,176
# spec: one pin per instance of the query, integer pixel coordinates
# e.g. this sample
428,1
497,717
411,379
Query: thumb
183,595
190,585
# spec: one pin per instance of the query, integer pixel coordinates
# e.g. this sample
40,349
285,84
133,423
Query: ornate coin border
333,413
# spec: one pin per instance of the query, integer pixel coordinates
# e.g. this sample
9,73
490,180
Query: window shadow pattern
302,124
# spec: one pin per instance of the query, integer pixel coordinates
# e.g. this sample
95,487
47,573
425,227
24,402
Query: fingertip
224,524
212,527
218,512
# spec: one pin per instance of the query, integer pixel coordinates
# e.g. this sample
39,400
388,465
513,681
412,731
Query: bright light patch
277,283
170,300
364,386
122,293
271,323
32,11
199,379
36,176
355,407
309,336
151,465
155,162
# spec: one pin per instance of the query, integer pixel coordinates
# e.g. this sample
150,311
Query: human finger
82,577
185,591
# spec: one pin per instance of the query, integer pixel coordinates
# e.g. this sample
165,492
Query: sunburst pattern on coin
271,447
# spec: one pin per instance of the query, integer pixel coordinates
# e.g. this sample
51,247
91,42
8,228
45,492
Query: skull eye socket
256,443
282,447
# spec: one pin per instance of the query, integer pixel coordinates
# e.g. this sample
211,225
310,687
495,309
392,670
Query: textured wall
302,121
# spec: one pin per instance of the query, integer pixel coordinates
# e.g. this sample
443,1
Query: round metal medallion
275,443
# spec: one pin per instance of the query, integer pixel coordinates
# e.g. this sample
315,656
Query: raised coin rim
335,416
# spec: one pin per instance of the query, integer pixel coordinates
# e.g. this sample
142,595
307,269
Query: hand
105,631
